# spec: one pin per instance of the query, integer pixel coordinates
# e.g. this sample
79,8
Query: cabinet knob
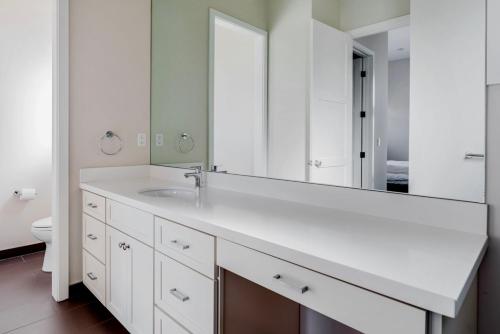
92,205
91,237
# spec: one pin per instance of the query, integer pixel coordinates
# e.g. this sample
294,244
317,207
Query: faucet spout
197,174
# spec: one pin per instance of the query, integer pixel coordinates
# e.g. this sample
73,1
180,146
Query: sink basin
170,192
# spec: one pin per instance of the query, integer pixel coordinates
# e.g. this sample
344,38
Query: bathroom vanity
158,261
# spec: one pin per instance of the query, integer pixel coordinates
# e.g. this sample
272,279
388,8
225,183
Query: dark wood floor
26,304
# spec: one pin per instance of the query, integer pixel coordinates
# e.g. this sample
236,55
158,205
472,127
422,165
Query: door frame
60,149
215,14
369,55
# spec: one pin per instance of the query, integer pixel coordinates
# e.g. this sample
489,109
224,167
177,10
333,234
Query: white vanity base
374,274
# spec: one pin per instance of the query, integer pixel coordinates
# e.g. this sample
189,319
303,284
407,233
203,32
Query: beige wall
109,90
359,13
327,12
25,116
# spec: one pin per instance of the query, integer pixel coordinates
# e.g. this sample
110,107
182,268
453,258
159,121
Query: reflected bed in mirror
380,95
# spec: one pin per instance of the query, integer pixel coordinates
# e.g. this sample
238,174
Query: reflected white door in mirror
378,95
168,264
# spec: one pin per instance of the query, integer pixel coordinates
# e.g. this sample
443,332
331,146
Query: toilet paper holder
25,194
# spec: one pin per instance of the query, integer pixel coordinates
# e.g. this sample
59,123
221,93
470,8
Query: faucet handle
198,169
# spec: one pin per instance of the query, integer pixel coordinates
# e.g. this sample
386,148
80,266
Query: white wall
398,115
489,273
493,42
109,90
379,45
25,116
289,48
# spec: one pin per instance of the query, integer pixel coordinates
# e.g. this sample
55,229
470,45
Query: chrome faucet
197,174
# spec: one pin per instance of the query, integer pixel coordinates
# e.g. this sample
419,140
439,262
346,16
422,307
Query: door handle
470,156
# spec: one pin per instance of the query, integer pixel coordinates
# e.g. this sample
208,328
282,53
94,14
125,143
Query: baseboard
23,250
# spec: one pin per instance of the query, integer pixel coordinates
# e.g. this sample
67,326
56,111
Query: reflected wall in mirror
373,94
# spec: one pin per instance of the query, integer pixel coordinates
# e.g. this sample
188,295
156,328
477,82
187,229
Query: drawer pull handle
92,205
180,244
179,295
295,286
92,276
91,237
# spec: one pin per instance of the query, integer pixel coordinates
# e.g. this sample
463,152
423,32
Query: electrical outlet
141,139
159,139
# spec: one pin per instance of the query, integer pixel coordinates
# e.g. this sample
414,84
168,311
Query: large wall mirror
383,95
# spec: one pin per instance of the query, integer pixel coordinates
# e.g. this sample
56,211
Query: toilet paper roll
26,194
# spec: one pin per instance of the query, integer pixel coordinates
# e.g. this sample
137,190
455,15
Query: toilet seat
42,230
43,224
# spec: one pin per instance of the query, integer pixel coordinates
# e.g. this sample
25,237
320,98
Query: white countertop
428,267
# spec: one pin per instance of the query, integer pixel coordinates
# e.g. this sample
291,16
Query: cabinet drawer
94,276
360,309
190,247
165,325
185,295
94,205
136,223
94,237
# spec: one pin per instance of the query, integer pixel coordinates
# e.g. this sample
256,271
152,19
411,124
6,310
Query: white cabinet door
331,107
118,275
129,281
142,288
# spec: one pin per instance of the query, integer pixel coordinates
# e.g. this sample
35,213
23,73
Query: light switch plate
159,139
141,139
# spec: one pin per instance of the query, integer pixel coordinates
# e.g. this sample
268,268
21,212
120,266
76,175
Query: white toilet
42,230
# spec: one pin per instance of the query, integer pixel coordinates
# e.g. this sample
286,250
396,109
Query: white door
448,99
330,132
118,275
238,106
